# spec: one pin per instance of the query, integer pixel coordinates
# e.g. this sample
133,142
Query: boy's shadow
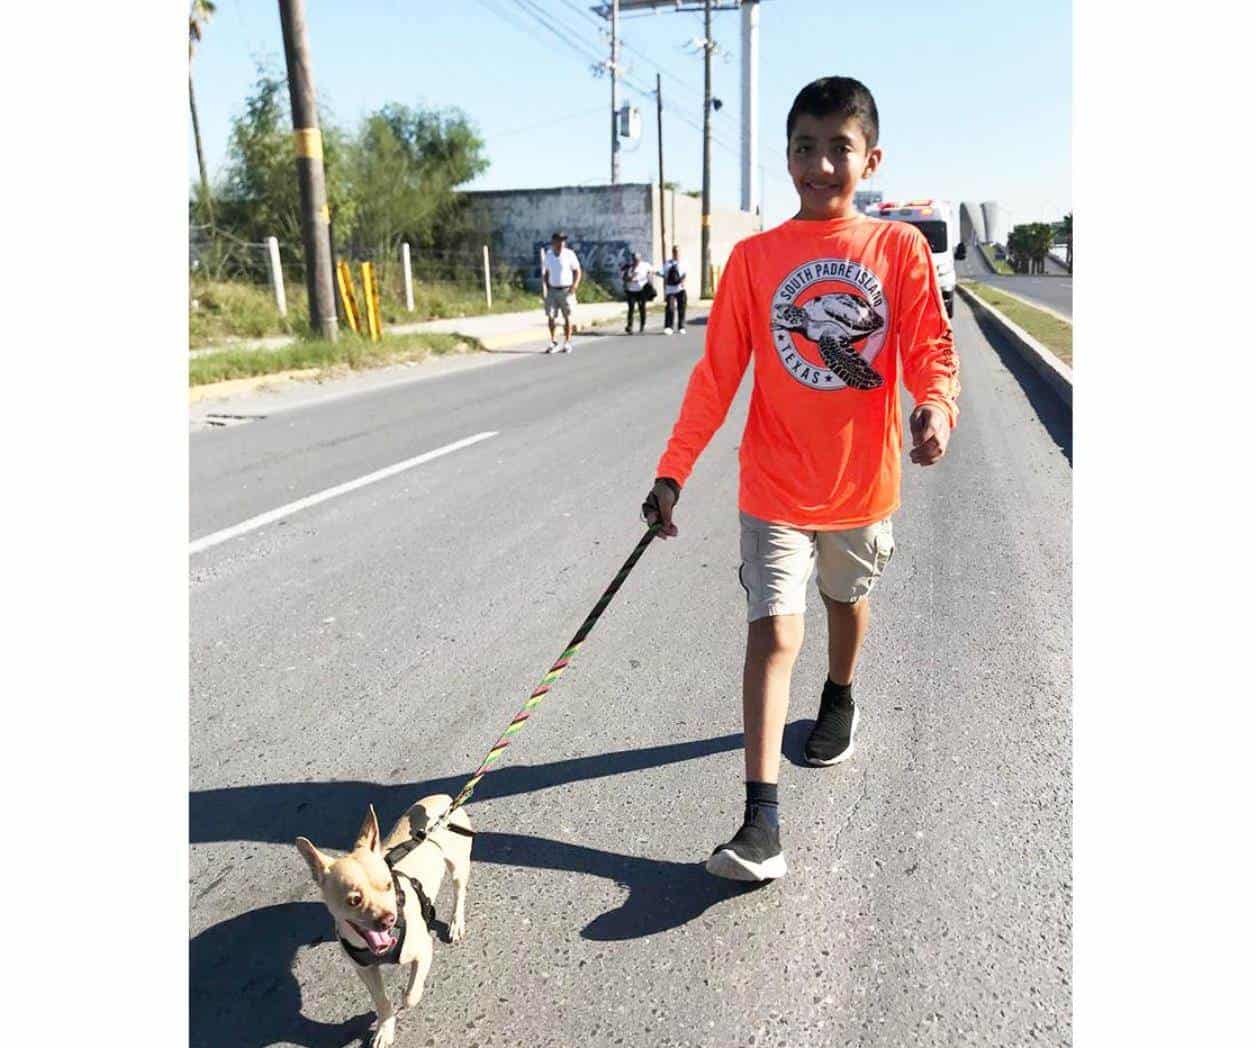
243,991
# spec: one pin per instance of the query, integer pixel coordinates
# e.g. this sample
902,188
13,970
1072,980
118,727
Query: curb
1057,374
230,387
1033,305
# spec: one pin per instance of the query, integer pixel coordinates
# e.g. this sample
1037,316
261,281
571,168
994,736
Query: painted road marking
253,523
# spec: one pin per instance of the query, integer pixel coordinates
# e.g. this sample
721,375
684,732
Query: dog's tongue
377,941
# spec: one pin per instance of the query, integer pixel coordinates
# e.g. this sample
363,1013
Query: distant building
866,198
972,223
996,222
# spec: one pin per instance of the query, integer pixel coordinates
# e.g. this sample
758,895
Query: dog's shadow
243,988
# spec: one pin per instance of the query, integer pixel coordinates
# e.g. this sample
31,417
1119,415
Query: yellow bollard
370,291
344,280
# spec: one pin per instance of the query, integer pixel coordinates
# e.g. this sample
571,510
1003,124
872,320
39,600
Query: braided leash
547,682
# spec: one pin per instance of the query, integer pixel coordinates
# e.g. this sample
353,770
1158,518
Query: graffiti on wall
596,256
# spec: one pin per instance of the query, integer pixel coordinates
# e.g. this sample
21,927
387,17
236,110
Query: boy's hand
930,432
658,506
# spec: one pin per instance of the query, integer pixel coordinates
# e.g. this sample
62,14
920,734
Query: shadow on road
243,991
1056,417
241,988
277,813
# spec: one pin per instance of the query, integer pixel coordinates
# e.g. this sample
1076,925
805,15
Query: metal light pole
658,92
749,105
315,217
614,92
706,152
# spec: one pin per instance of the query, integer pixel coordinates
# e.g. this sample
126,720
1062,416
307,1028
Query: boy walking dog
832,308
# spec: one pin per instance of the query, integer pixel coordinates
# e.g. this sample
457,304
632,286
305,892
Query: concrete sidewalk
493,330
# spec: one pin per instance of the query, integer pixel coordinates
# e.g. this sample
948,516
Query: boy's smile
827,156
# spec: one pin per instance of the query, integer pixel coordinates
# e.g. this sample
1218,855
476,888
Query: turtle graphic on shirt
835,322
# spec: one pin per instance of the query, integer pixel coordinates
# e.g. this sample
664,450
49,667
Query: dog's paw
457,929
384,1035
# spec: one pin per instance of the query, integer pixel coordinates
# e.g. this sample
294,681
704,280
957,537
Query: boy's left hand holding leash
930,432
658,506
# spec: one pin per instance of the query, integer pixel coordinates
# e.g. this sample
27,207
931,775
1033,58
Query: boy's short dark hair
840,95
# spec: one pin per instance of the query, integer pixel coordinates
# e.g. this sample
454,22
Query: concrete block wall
605,225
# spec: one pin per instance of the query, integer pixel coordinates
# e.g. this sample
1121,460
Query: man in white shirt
560,276
673,274
636,275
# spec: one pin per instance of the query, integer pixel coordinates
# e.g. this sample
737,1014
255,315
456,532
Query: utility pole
658,94
615,93
706,153
315,218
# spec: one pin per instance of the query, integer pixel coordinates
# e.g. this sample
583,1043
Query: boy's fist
930,432
658,506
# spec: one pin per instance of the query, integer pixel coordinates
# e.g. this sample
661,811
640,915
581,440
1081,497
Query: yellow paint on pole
344,280
706,220
370,291
309,143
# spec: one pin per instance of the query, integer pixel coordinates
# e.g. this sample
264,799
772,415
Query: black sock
839,693
761,798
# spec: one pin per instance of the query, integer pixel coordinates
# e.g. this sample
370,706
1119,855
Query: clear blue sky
975,98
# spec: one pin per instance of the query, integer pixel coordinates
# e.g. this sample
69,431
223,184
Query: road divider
253,523
1056,374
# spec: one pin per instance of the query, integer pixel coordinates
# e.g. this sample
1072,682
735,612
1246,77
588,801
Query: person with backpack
673,274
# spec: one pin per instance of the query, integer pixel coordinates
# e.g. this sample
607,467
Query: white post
749,105
488,283
407,276
276,275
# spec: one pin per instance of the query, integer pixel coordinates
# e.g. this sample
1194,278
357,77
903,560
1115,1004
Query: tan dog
380,897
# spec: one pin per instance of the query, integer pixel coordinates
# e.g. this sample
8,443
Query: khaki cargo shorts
558,300
777,561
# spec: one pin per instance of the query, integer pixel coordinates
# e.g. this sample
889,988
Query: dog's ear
368,835
318,862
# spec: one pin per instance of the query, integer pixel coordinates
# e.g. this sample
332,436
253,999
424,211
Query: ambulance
938,220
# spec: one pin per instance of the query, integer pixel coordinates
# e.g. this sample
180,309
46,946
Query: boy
829,305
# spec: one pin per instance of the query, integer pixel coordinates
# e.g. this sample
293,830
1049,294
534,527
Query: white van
938,220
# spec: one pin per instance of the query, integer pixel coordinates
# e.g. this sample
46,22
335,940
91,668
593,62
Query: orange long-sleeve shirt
831,312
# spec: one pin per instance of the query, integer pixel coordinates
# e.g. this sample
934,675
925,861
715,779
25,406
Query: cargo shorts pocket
749,560
884,545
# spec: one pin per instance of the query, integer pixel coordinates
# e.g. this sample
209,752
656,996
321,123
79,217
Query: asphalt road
371,648
1054,289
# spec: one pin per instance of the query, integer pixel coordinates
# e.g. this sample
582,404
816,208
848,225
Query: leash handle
547,682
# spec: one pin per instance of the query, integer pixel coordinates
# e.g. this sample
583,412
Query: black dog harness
362,955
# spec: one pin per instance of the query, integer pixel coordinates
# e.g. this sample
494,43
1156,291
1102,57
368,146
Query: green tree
260,196
198,17
406,166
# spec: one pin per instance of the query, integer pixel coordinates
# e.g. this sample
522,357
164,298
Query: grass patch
351,353
219,310
1052,332
224,310
999,265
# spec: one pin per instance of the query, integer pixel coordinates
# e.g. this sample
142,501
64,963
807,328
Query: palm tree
1068,239
202,11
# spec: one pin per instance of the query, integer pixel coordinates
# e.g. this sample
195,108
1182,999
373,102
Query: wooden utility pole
614,92
706,154
658,94
315,218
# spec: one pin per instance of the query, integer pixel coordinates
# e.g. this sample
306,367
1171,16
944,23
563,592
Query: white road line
253,523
